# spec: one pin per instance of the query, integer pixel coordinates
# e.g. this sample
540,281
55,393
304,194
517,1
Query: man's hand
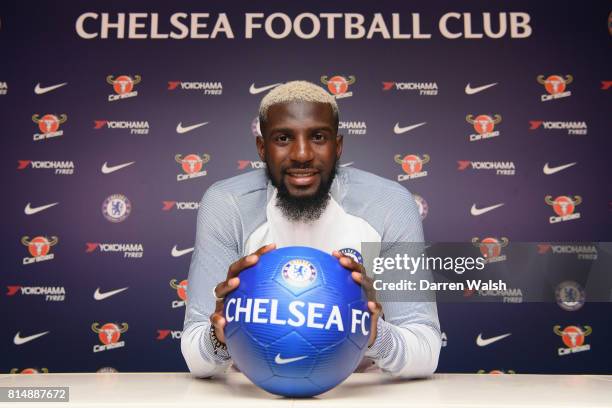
229,284
359,275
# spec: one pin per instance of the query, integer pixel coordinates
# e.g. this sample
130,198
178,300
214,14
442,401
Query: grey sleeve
216,247
408,340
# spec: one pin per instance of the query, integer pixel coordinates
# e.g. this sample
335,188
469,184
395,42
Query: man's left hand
359,275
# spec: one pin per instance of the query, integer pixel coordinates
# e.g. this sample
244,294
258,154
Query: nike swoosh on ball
279,360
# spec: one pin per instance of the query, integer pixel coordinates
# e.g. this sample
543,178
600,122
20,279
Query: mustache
300,167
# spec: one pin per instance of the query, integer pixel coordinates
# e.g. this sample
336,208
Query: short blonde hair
297,91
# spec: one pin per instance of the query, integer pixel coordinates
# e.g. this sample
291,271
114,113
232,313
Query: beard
303,209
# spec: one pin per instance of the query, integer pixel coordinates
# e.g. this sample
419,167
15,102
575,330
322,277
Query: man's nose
301,150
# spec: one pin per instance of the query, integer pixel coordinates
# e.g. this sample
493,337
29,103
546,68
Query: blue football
298,325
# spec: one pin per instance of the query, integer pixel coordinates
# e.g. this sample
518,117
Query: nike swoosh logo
471,91
29,210
102,296
180,252
479,211
18,340
399,130
485,342
552,170
39,90
254,91
181,129
347,164
106,169
279,360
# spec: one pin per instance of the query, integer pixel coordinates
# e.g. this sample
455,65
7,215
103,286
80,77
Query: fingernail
251,258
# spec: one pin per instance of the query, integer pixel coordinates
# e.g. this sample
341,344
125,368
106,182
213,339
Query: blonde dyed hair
296,91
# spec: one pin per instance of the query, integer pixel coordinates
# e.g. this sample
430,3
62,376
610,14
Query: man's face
301,148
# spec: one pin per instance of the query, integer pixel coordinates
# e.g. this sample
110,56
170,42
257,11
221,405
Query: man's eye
318,136
282,138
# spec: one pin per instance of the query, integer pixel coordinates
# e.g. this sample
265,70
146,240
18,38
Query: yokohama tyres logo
573,128
163,334
353,127
60,167
584,252
423,88
207,88
500,168
132,250
49,293
135,127
180,205
247,164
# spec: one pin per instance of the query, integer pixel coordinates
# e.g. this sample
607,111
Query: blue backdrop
109,143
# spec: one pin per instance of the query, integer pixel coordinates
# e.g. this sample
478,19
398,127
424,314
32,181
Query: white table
359,390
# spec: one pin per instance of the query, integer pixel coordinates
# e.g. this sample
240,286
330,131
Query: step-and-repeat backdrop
116,117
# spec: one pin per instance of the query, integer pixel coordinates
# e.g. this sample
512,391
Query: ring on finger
217,299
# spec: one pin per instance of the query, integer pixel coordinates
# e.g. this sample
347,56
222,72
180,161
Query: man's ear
259,141
339,144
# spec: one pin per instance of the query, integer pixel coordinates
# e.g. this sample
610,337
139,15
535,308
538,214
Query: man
303,198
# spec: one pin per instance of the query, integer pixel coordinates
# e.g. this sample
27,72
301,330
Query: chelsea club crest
352,253
116,208
299,273
570,296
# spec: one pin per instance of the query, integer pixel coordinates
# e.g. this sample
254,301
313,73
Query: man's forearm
199,353
410,350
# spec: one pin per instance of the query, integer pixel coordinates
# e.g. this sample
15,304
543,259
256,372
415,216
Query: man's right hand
229,284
